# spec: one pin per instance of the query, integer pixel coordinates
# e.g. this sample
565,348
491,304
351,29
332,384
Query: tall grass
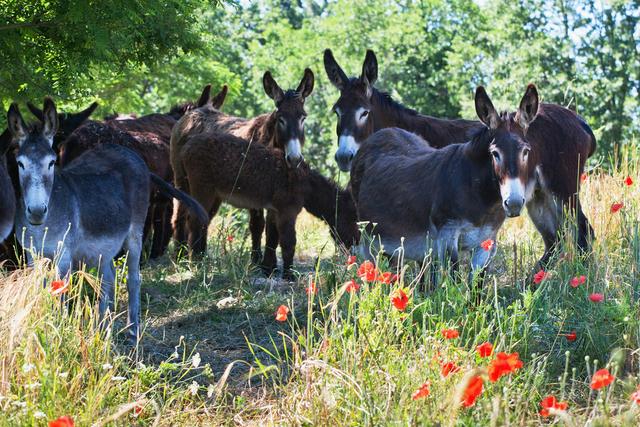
341,358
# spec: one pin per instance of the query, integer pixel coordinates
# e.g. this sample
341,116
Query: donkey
86,212
218,166
406,194
281,128
561,141
7,194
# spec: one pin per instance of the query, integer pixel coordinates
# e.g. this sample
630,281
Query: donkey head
67,122
505,141
353,108
289,115
35,158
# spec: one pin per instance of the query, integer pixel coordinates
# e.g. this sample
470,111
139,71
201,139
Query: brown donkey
417,198
282,128
218,166
561,141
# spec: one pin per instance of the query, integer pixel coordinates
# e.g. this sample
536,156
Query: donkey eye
495,155
525,152
20,165
364,114
282,122
51,163
302,119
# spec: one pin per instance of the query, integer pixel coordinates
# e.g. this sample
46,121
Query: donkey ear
485,110
35,111
70,122
306,84
16,124
271,88
218,100
5,142
205,98
370,68
50,122
336,76
528,107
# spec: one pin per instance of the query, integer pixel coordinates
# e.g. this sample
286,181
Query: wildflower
635,396
503,364
28,367
281,314
351,286
193,388
107,366
39,415
312,288
63,374
628,181
577,281
351,260
485,349
118,378
487,245
596,297
550,402
601,378
385,278
583,177
448,368
571,336
540,276
210,390
58,287
471,393
423,391
65,421
399,299
615,207
230,238
137,410
368,272
450,334
195,360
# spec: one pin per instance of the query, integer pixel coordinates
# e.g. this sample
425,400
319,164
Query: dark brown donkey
283,127
560,141
7,193
403,187
218,166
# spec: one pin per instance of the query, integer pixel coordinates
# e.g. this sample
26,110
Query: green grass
341,358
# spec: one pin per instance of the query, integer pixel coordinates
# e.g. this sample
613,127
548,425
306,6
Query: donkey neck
262,129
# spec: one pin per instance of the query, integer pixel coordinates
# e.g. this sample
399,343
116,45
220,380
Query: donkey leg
133,245
256,226
546,215
107,289
287,230
270,261
585,231
197,232
159,219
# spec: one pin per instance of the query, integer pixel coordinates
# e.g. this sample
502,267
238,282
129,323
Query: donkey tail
191,203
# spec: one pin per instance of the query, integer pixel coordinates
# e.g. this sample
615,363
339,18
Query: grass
213,353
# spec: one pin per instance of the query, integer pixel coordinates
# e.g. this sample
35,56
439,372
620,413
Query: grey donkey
86,212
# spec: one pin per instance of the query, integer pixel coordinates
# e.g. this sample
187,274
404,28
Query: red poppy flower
448,368
65,421
368,271
485,349
550,402
281,314
137,410
540,276
58,287
312,288
571,336
601,378
351,286
596,297
230,238
385,278
503,364
635,396
423,391
487,245
615,207
471,393
577,281
583,177
351,260
450,334
399,299
628,181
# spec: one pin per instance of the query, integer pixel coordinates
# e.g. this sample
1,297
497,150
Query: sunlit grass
341,358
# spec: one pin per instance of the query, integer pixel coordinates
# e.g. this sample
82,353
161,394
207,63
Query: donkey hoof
267,269
289,275
256,256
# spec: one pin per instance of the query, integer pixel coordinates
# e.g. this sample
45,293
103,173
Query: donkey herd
83,192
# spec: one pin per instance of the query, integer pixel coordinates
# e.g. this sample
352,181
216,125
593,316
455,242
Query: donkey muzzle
513,206
37,214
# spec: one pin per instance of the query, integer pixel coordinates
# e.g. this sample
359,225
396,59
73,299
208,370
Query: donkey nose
344,160
513,206
294,160
36,215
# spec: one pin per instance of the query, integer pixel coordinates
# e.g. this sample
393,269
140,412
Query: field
213,352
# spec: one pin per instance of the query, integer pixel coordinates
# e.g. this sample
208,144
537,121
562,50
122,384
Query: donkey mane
388,104
179,110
